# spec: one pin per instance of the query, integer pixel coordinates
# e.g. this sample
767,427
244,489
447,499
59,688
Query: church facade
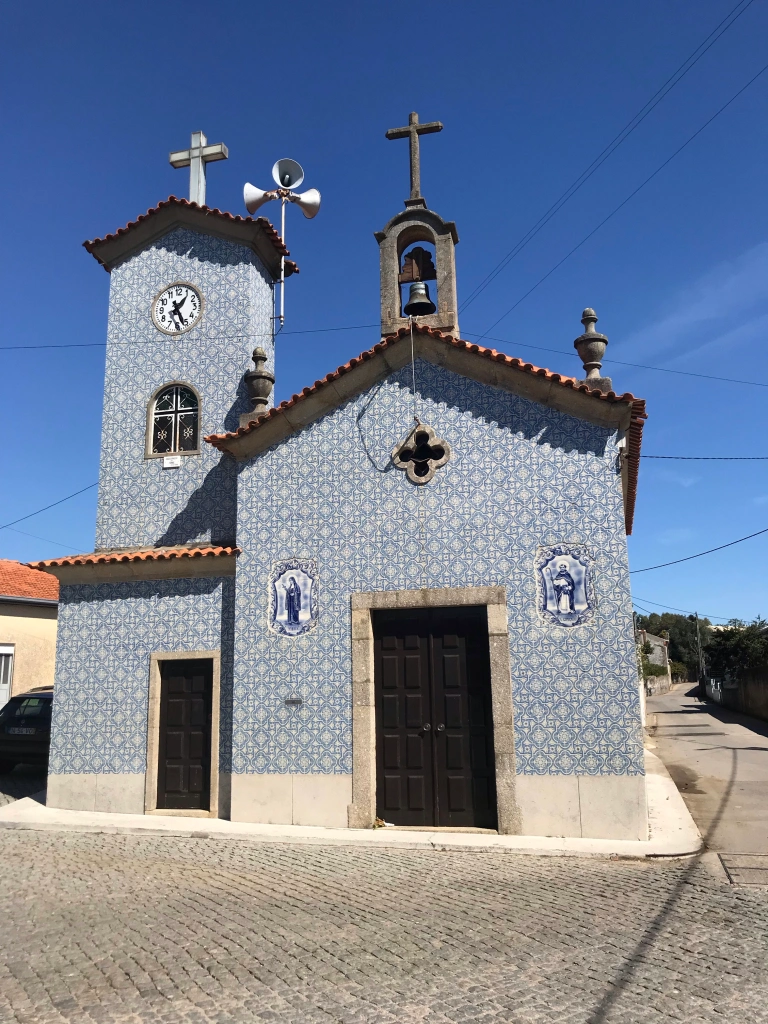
401,596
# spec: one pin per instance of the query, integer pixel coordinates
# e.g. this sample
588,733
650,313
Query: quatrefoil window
421,454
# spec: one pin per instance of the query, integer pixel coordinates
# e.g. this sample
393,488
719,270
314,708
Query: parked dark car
25,729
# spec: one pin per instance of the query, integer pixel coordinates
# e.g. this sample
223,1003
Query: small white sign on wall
171,461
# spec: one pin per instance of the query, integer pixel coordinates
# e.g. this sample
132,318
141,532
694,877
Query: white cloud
675,535
718,309
761,499
679,478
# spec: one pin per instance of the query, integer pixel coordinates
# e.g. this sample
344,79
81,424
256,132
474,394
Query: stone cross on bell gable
195,158
412,131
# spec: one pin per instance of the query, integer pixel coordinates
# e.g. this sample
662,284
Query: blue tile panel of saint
521,476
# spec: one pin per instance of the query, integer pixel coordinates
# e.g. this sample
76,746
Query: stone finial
591,347
259,383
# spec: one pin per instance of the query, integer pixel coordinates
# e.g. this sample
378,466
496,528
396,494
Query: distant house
29,604
659,656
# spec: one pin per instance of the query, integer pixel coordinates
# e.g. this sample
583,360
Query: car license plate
16,731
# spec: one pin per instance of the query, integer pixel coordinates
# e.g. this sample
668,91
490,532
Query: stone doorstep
672,830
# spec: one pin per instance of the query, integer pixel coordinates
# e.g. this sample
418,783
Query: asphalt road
719,761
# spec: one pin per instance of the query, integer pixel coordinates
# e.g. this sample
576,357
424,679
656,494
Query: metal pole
701,657
282,266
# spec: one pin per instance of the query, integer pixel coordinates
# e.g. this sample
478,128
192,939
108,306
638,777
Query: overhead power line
103,344
35,536
685,611
631,195
468,334
618,362
677,561
61,501
710,458
613,145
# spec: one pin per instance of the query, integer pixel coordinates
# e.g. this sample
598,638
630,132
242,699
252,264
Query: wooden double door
435,762
184,754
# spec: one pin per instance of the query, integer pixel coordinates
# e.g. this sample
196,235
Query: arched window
174,420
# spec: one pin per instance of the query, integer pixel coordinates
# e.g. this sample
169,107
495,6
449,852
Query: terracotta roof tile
18,580
638,404
172,201
488,353
137,555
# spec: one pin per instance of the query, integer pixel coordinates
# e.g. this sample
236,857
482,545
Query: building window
175,419
6,672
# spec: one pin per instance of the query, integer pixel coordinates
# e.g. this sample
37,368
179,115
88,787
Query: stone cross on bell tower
400,263
412,131
195,158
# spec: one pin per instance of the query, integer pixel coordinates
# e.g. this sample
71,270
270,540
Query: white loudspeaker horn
308,202
254,197
287,173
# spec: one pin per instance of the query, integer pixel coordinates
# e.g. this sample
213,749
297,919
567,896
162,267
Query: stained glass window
175,419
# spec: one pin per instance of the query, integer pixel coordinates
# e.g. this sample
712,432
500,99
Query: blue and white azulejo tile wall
106,635
140,503
521,476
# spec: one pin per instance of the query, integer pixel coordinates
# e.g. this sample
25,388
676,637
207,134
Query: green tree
739,648
682,636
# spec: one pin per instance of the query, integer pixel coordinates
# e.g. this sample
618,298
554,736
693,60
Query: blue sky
96,95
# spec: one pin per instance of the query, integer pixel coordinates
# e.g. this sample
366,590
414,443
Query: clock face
177,308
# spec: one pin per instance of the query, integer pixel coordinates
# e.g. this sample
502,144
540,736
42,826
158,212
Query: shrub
738,648
649,669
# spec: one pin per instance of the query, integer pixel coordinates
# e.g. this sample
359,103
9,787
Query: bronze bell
419,302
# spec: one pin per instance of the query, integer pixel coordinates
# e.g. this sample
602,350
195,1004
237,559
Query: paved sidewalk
719,760
154,929
672,832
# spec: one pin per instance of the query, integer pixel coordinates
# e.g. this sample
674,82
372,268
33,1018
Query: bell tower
402,265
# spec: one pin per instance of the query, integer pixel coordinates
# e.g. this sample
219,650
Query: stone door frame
153,732
362,810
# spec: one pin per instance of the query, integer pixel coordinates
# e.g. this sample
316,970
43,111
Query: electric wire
619,362
689,558
612,146
685,611
61,501
35,536
710,458
469,334
624,202
103,344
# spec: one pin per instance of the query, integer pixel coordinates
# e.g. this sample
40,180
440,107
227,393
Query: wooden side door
465,770
404,754
434,724
184,765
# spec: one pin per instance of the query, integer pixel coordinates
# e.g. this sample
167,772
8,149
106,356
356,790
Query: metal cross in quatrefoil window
421,454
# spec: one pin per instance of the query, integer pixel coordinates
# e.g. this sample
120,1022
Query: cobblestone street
130,929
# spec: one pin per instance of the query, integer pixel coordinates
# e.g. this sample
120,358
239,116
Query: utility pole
702,692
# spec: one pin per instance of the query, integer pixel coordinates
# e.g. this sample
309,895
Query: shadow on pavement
650,935
25,780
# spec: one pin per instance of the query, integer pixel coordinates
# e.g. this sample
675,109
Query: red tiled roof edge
219,440
269,230
19,580
634,443
143,555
